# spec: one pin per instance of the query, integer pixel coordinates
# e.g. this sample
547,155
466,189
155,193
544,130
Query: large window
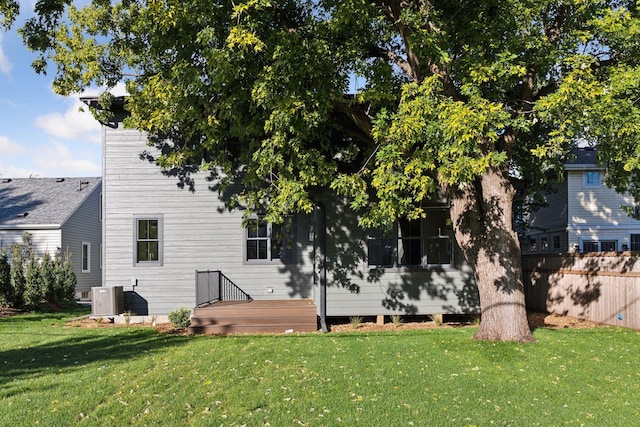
600,246
635,242
148,240
266,241
86,257
412,243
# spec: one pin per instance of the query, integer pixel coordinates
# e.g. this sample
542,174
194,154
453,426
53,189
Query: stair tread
255,316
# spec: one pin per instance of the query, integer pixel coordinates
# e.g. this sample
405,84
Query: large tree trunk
483,224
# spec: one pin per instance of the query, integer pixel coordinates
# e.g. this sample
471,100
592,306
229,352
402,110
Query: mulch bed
536,320
8,312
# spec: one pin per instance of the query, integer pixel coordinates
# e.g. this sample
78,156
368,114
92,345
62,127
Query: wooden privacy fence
601,287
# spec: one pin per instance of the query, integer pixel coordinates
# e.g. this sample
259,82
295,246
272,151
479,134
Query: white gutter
30,226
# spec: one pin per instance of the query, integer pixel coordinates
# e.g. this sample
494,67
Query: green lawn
56,376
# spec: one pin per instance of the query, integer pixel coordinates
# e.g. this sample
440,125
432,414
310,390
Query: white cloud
76,124
54,159
15,172
5,64
57,159
9,148
118,90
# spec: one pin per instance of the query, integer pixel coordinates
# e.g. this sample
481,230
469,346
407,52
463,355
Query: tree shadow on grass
70,350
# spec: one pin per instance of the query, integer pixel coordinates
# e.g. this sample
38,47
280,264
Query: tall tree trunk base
511,326
482,215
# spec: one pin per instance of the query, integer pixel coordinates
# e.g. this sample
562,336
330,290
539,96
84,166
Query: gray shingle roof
38,201
581,158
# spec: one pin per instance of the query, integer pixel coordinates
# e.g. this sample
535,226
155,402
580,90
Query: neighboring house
157,236
60,214
583,215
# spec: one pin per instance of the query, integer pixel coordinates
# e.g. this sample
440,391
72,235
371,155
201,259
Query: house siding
405,293
552,217
581,212
43,240
83,226
198,233
596,213
355,289
549,222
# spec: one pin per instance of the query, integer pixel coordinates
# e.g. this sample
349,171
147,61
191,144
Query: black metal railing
212,286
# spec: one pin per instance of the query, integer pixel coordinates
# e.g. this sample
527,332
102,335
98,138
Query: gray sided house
157,236
583,215
60,214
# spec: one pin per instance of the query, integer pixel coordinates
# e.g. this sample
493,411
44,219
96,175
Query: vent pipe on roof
81,183
59,179
23,215
5,180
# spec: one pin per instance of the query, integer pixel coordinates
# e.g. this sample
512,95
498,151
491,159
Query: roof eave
583,167
30,226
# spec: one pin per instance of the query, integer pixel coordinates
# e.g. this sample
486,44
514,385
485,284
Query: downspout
320,234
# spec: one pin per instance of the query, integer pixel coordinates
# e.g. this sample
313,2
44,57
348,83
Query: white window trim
586,184
86,245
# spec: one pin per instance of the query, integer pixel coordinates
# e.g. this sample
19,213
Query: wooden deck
255,316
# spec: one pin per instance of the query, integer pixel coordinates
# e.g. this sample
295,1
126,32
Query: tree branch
393,10
357,116
396,59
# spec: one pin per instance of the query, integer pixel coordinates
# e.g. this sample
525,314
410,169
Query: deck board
255,316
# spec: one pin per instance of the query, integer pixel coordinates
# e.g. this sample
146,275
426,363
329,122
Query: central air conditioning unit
107,301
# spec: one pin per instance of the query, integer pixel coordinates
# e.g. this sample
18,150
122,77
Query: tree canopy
387,102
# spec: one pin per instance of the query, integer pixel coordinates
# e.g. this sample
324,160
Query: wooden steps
255,317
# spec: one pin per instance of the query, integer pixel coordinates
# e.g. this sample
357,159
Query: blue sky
41,134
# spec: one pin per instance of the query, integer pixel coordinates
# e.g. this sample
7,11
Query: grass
55,375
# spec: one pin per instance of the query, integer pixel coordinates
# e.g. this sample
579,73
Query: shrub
180,318
17,275
68,281
396,320
6,291
48,275
437,319
33,283
355,321
64,279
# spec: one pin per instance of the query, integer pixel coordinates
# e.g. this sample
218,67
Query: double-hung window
439,237
412,243
266,241
148,241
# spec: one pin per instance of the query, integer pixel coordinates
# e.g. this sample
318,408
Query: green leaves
9,10
429,142
440,92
